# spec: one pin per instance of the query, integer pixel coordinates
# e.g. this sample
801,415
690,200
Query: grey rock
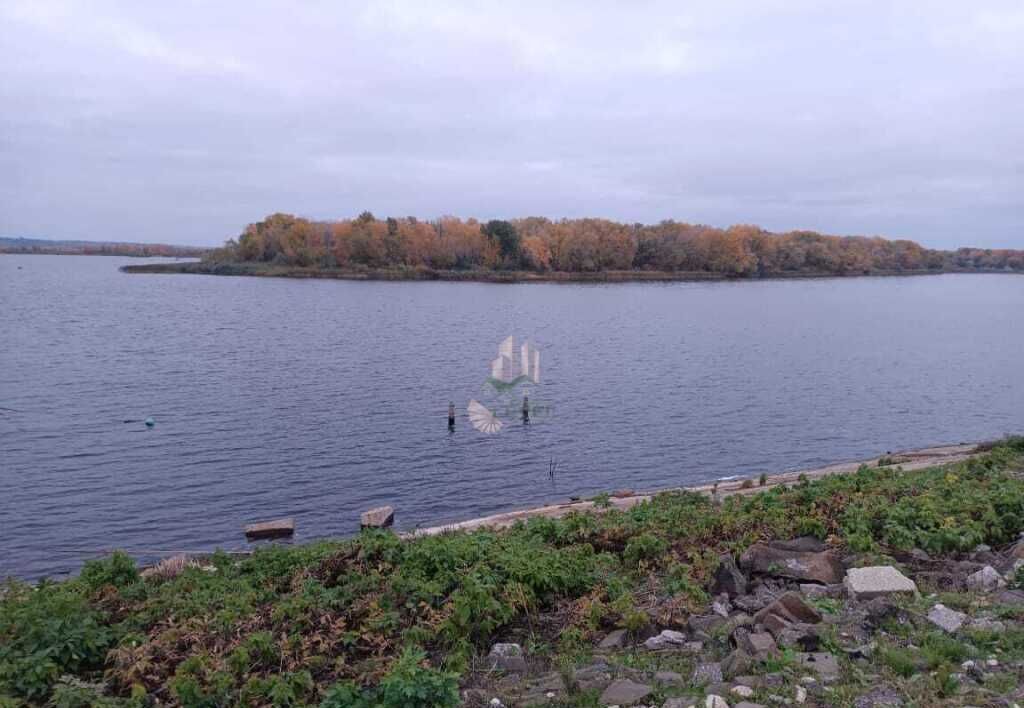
787,610
749,603
705,673
623,692
814,590
720,608
803,544
614,640
507,657
737,663
879,698
986,624
762,681
378,518
475,697
974,670
719,689
800,635
880,609
668,639
920,556
748,704
877,581
737,621
820,567
822,663
681,702
1017,549
946,619
759,645
729,579
544,690
705,623
1010,597
713,700
670,678
987,579
861,651
596,676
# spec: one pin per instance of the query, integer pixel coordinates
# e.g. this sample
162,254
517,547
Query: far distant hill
95,248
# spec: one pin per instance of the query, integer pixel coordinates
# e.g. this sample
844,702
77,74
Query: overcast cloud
182,122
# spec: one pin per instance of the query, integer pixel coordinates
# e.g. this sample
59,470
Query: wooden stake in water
526,410
451,416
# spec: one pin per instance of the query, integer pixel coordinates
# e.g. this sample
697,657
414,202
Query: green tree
505,235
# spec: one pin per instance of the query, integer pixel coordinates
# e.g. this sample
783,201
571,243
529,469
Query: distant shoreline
265,270
79,253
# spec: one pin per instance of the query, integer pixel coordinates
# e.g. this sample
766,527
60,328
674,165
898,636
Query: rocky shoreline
899,583
622,500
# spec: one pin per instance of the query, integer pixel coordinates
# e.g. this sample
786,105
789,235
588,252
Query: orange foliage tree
589,245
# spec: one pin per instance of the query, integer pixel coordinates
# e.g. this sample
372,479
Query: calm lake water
320,399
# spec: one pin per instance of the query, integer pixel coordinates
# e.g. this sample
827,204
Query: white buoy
149,422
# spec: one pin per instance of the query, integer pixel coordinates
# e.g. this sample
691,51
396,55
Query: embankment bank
268,270
858,586
626,499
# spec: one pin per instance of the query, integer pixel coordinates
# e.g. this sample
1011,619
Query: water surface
319,399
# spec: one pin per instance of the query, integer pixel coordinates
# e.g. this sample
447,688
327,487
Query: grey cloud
184,121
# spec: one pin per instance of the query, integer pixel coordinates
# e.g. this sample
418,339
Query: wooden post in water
451,416
526,410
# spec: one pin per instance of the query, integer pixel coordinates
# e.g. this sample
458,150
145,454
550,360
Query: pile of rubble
789,624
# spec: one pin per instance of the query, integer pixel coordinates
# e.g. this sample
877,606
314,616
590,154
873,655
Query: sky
183,121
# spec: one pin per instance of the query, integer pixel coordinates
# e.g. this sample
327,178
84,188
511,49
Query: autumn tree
588,245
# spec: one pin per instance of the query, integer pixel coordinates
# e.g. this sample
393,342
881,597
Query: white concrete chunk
877,581
378,518
987,579
946,619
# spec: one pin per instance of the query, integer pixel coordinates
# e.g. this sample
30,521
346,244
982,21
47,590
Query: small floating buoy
149,422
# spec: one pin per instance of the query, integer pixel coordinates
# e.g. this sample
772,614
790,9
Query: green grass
378,621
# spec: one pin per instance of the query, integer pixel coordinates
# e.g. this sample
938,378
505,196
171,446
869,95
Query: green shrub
46,632
679,581
644,547
410,685
117,570
278,690
901,661
940,649
70,692
407,685
345,695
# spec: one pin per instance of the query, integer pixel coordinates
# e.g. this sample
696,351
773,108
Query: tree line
96,248
588,245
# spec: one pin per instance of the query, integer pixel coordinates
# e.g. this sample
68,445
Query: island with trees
537,248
